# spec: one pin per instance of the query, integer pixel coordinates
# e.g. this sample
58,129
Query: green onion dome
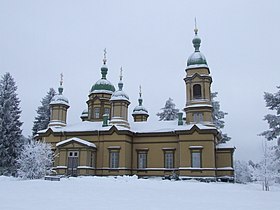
196,59
103,85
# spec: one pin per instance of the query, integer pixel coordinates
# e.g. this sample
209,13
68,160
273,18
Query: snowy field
86,193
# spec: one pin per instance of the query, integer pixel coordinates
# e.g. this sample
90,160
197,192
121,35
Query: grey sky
151,40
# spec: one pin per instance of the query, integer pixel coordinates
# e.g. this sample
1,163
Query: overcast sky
151,40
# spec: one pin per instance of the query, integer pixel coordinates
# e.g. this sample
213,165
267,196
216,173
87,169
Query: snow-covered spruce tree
218,117
243,174
43,113
267,171
35,160
169,112
273,103
10,125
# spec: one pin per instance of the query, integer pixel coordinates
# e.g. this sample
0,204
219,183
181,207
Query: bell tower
198,86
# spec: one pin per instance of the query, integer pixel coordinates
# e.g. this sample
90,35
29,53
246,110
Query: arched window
197,91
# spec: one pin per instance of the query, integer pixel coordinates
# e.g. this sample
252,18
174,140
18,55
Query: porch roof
78,140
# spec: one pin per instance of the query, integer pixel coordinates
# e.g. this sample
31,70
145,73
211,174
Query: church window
107,111
197,91
96,113
142,159
169,159
114,159
198,117
196,159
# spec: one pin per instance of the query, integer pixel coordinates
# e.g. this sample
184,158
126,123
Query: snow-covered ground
86,193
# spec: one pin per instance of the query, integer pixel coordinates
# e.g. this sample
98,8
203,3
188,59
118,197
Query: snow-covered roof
59,99
225,146
164,126
140,109
85,113
103,82
81,141
119,95
195,66
103,86
136,127
198,105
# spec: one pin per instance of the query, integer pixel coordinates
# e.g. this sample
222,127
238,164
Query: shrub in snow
243,174
169,112
267,171
10,131
35,160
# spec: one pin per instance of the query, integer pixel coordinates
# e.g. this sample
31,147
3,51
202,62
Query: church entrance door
73,161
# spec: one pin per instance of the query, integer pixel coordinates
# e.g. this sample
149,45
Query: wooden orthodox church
106,143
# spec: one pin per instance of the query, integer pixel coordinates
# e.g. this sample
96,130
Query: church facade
105,143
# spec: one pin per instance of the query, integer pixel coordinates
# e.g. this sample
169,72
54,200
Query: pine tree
169,111
35,160
218,117
10,131
43,113
273,103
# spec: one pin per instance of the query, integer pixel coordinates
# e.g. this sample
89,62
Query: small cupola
84,115
59,105
196,59
140,113
120,102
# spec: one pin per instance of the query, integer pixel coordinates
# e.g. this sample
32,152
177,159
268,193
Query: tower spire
60,89
121,71
195,26
105,58
120,84
140,100
196,40
104,68
61,79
